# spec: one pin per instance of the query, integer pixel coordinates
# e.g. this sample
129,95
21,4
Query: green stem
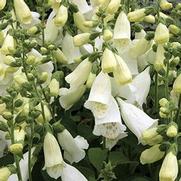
178,111
156,92
166,80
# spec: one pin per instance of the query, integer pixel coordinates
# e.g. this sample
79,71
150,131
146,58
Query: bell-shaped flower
122,29
23,12
79,21
139,47
51,30
135,119
54,3
100,94
110,125
161,34
53,157
151,155
159,59
113,6
122,74
61,16
177,85
141,83
82,6
68,97
169,168
9,45
2,4
136,15
73,147
68,48
80,74
70,173
109,62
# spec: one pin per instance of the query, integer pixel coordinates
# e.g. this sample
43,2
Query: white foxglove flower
70,173
140,35
122,74
82,5
9,45
61,16
23,12
73,147
161,34
160,57
169,168
80,74
100,94
51,30
53,157
122,29
135,119
110,126
2,4
109,62
68,97
141,83
68,48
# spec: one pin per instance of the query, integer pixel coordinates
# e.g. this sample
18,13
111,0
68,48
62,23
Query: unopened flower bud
149,19
161,34
7,115
9,59
107,35
54,87
16,148
165,5
172,130
61,16
113,6
23,12
32,30
60,57
151,155
137,15
163,102
109,62
90,24
81,39
43,77
174,29
3,126
4,173
177,85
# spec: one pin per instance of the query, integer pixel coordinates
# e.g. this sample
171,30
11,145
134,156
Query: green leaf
117,157
137,178
97,156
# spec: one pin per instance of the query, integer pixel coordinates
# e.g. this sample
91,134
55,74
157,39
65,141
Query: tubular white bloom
61,16
109,62
135,119
2,4
142,84
159,59
122,29
68,48
79,21
100,94
110,126
23,12
161,34
9,45
70,173
169,168
122,73
53,157
68,97
80,74
82,6
73,150
51,30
